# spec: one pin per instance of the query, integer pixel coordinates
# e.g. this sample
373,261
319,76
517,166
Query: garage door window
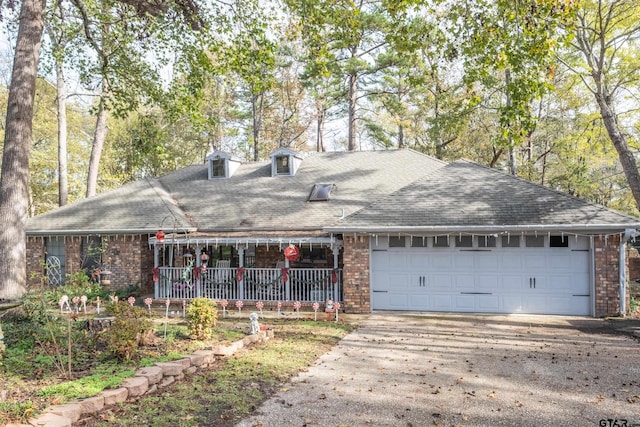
396,242
441,242
419,241
510,241
464,241
559,241
486,241
534,242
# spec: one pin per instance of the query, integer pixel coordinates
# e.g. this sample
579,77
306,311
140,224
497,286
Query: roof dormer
221,165
284,162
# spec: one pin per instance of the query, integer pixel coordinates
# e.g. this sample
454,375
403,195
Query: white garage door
524,274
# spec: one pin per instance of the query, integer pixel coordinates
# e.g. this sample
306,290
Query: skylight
320,192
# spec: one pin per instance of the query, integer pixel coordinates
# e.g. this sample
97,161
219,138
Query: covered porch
248,268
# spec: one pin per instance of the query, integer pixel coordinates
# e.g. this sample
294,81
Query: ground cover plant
35,370
223,395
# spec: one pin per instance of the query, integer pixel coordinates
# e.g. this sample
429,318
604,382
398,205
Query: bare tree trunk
627,159
14,178
597,38
321,111
256,110
400,136
513,165
63,186
99,136
353,79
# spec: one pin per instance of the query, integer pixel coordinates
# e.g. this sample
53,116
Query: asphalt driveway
467,370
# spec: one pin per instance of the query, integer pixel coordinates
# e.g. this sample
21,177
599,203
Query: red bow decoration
285,274
196,273
156,274
334,276
239,274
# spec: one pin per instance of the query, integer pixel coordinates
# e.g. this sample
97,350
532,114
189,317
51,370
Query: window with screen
283,165
218,168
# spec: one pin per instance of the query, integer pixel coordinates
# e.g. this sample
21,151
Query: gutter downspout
628,233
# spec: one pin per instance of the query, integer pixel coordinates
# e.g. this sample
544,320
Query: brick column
35,262
356,274
607,276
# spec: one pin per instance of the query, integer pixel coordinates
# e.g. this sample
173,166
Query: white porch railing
252,284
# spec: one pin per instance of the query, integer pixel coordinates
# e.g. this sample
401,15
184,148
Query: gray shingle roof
138,207
374,191
466,195
253,199
249,200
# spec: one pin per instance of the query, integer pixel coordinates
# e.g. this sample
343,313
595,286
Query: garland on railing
334,279
265,284
194,272
283,276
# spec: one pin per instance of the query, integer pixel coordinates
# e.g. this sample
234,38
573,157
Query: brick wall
129,258
267,258
356,274
35,262
607,276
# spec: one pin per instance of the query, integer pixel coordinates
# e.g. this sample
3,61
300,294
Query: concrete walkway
466,370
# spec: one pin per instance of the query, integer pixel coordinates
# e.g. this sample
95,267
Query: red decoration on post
334,276
291,253
160,236
240,274
156,274
285,274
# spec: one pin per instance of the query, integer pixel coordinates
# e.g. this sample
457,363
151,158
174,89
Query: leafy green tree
251,57
504,45
342,39
604,56
14,178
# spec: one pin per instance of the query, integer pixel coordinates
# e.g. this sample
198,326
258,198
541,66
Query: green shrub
35,309
130,329
201,316
131,290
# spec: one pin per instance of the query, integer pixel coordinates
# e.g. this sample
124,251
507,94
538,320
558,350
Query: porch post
156,264
198,264
241,281
287,284
335,250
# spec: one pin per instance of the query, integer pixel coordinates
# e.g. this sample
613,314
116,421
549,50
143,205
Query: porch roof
245,237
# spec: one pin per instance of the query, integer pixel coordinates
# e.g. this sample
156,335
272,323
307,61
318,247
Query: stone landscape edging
144,382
